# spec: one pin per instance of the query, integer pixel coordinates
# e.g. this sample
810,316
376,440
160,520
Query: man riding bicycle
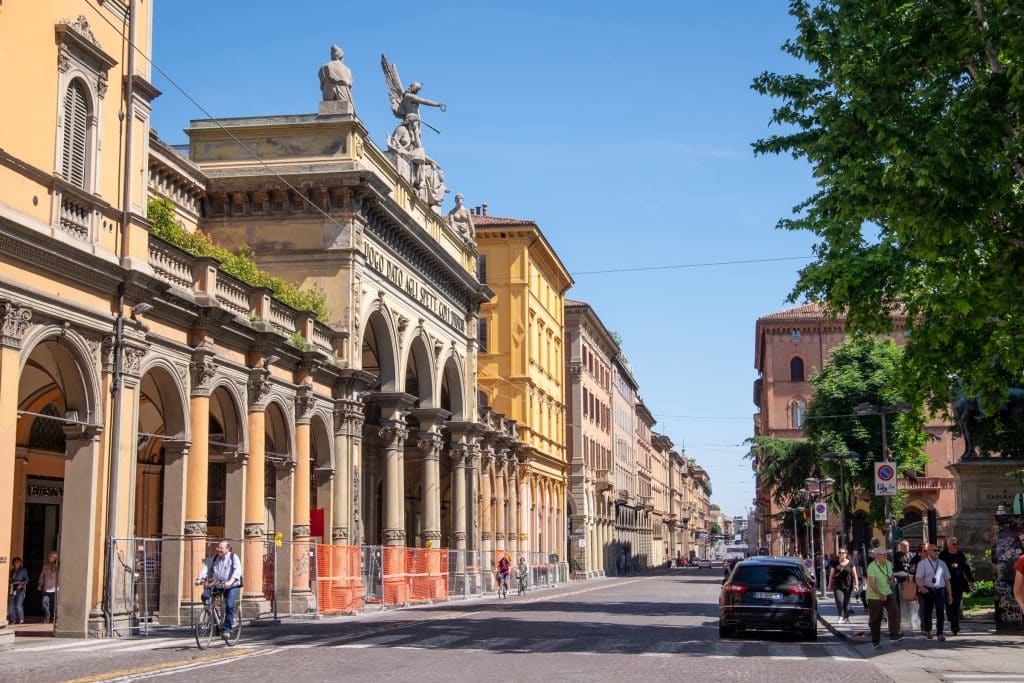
222,572
503,568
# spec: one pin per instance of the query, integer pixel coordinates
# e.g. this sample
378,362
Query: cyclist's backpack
234,563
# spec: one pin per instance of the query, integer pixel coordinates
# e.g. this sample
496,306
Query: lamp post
823,487
796,534
882,411
842,458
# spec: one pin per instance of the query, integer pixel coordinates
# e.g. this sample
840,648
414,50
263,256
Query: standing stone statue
336,78
461,220
405,104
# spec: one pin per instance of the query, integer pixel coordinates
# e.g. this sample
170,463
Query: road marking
167,667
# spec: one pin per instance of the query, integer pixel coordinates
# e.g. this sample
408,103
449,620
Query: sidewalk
978,649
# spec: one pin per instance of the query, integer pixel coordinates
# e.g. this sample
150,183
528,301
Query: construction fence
149,582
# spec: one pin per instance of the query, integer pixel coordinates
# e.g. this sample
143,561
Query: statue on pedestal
405,105
461,220
336,78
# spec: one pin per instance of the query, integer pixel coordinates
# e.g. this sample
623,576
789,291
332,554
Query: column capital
202,370
195,528
392,432
430,443
254,531
259,389
305,401
299,530
339,535
15,319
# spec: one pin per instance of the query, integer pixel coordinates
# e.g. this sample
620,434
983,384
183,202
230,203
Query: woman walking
844,583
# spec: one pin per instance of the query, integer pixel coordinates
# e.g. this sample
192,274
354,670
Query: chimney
484,209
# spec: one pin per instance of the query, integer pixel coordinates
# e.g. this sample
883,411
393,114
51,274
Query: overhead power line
690,265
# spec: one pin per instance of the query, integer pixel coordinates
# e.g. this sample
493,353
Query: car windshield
776,576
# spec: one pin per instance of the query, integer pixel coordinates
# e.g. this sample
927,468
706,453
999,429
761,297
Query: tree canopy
862,370
910,117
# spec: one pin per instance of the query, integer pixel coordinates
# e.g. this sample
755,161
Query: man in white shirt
225,571
935,591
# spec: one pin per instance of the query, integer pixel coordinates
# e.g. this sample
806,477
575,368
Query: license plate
767,596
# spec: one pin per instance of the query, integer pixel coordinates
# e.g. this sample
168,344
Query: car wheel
811,634
725,631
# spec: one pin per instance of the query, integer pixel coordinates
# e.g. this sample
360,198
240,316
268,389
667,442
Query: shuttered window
481,268
481,335
76,115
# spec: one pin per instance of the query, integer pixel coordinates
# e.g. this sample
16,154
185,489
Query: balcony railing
925,483
602,480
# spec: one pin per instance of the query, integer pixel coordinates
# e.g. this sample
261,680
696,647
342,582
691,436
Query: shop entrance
42,534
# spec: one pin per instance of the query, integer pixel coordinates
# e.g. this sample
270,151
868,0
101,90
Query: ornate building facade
147,394
790,346
522,368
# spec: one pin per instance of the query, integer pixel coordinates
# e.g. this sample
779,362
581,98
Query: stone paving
978,653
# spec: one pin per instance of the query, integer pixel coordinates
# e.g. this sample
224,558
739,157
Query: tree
863,370
910,117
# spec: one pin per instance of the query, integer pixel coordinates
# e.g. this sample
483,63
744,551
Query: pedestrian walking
18,582
961,579
906,590
844,584
934,591
880,596
48,585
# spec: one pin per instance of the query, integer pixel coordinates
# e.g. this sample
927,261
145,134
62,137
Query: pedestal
981,485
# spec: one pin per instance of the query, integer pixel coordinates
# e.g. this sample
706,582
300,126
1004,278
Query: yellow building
521,366
151,401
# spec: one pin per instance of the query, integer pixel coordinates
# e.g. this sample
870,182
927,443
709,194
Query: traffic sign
885,479
820,512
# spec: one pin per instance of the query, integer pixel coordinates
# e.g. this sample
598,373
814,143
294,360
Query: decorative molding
195,528
305,402
300,530
432,535
259,388
203,369
339,534
16,320
393,433
393,536
253,531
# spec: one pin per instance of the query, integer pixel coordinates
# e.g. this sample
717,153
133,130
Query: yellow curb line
160,667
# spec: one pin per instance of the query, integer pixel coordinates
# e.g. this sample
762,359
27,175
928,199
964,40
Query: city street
655,627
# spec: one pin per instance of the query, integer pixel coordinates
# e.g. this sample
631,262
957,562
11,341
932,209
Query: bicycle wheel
204,628
236,621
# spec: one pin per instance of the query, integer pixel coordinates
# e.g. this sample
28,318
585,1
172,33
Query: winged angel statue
405,105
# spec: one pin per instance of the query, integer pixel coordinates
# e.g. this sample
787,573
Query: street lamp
796,537
842,458
823,487
882,411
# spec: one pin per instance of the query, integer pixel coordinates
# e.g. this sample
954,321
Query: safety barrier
339,579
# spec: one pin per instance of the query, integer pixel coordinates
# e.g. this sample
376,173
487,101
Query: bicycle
502,585
521,583
212,618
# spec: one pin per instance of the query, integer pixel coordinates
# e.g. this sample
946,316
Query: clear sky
622,129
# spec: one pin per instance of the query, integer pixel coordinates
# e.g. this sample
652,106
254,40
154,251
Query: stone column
512,485
501,504
348,452
392,435
203,370
284,521
78,538
14,322
174,573
253,602
473,496
431,443
302,597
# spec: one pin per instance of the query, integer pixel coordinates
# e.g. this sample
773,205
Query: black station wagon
768,594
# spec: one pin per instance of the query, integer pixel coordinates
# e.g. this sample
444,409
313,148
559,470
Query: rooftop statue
336,78
405,104
461,220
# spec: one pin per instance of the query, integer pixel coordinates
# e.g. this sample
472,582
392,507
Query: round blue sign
886,472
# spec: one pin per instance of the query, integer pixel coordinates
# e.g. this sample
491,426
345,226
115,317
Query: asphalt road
660,627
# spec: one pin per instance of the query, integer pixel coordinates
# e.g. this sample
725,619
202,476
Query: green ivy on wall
241,264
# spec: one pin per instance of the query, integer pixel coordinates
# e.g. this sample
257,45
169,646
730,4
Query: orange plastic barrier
339,580
415,575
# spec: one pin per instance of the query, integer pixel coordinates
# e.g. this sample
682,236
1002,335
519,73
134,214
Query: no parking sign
885,479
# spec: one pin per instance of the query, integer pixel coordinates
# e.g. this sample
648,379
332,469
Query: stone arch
58,380
379,355
453,393
226,404
419,373
228,439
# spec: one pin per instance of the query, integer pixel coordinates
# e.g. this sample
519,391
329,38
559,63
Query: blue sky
623,130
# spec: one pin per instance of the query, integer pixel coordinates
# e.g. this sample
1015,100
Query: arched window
76,134
45,434
796,369
798,409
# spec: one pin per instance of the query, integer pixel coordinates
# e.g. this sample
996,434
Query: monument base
336,108
981,485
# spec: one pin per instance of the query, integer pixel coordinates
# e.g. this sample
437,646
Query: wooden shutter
481,335
76,114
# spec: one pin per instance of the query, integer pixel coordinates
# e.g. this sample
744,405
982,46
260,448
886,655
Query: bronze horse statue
969,416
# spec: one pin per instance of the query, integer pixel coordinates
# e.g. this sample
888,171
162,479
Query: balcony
647,502
924,483
602,480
